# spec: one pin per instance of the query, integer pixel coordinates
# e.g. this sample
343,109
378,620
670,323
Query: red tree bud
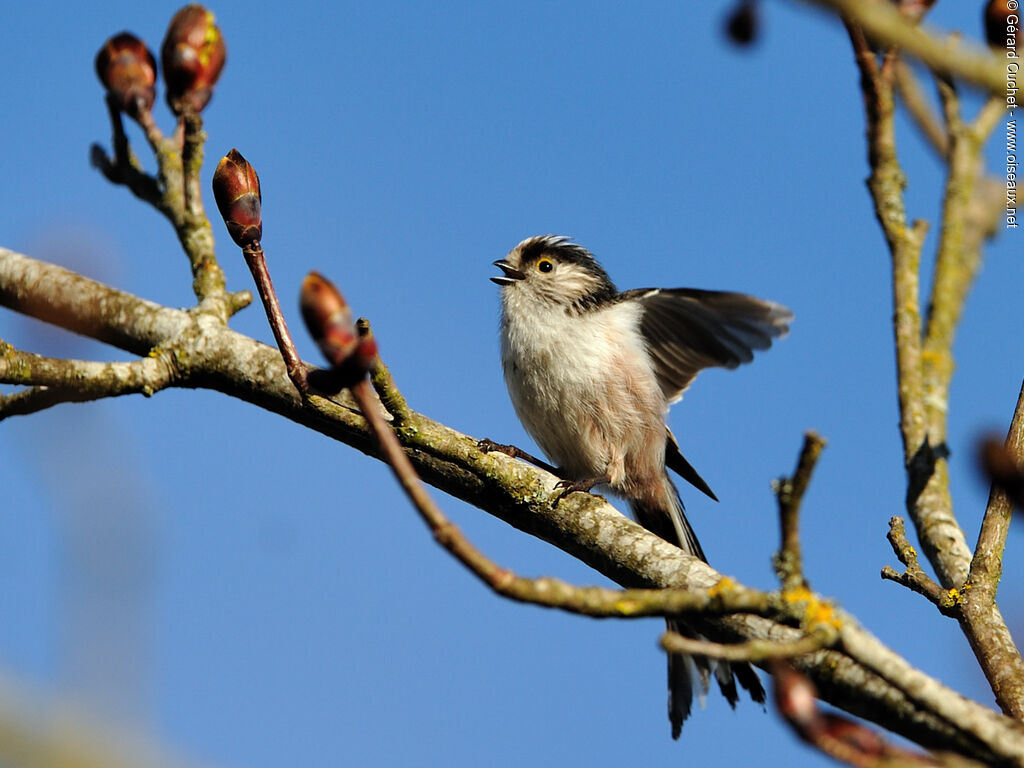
236,188
192,57
742,24
1003,469
365,355
862,739
996,17
796,699
329,321
127,70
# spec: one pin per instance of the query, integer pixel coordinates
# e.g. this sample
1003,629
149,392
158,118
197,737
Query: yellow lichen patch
821,612
798,595
723,585
626,607
817,611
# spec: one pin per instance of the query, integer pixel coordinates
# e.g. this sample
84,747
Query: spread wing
687,330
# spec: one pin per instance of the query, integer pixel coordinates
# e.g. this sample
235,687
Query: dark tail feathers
669,522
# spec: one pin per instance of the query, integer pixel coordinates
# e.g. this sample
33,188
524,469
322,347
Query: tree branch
914,577
886,26
585,526
928,502
982,621
56,381
757,651
920,110
790,493
53,734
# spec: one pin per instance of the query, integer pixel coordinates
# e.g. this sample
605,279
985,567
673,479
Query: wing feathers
687,330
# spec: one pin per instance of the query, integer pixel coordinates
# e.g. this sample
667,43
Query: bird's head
552,270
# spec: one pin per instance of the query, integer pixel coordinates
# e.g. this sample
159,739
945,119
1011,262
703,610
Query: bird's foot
583,486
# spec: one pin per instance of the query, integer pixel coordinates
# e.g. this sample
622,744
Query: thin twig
191,165
790,493
914,578
755,651
191,223
839,737
927,120
383,383
175,193
124,168
257,262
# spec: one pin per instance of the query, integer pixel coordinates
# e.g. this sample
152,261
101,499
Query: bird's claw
489,446
572,486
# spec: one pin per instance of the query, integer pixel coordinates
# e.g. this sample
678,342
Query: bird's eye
545,265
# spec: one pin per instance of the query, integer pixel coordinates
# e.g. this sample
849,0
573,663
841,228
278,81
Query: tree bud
127,70
328,319
742,23
192,57
796,699
351,352
236,188
862,739
996,17
1003,469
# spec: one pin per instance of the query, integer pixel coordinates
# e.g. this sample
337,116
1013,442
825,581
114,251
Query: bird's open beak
511,273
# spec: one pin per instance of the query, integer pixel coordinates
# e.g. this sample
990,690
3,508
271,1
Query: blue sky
256,595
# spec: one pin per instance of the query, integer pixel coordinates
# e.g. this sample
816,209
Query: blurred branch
982,620
886,26
958,258
1003,464
920,110
839,737
212,356
56,736
756,651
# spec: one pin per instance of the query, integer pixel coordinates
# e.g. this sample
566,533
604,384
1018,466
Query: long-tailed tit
592,372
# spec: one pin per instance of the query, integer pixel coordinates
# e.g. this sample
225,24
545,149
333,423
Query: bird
591,373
